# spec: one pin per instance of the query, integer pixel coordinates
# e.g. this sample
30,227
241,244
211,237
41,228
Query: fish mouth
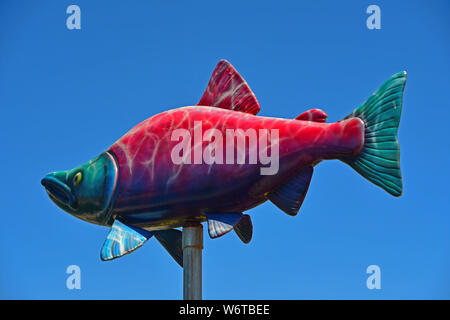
59,192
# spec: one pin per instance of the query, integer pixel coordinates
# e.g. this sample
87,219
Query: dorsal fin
228,90
315,115
289,197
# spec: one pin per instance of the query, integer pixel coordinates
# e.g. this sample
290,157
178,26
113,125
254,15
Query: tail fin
379,160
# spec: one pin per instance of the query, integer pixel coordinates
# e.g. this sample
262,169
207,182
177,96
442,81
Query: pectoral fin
171,241
123,239
289,197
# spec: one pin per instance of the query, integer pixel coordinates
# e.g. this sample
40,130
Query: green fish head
87,191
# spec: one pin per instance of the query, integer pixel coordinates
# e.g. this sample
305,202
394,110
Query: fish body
215,160
152,187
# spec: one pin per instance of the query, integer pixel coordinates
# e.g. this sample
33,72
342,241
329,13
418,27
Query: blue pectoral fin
289,197
221,223
244,228
123,239
171,241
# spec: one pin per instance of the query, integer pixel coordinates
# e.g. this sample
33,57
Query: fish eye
77,178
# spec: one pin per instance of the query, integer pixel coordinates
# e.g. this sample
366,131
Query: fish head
87,191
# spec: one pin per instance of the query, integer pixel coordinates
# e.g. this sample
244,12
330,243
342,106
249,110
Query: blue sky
67,95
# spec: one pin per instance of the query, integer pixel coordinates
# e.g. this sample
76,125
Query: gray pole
192,261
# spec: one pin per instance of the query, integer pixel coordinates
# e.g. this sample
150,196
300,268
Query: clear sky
67,95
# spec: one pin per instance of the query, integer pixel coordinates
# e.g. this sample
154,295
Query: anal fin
289,197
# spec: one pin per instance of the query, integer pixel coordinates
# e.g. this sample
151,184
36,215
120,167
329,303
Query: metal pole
192,261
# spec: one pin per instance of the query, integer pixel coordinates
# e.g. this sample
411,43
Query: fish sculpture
215,160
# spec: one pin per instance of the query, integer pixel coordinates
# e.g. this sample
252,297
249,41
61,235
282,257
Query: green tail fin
379,160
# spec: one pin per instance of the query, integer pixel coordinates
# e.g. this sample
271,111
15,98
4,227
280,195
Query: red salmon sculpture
213,161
